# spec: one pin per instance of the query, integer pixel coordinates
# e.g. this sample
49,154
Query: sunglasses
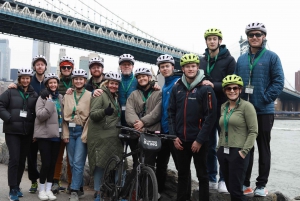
228,89
257,35
66,67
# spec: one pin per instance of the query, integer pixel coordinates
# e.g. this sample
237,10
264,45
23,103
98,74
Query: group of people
210,96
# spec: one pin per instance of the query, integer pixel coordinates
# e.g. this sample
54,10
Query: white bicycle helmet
113,76
255,26
126,57
79,73
38,57
96,60
66,58
142,71
50,76
25,71
165,59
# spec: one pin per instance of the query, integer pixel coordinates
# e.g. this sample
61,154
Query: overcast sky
182,24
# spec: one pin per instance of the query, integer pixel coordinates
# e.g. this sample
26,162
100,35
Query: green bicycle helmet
213,32
232,79
189,58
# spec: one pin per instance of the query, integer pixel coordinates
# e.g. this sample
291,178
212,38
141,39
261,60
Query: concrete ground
25,185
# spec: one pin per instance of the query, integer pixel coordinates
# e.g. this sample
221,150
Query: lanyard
76,101
251,66
145,99
126,90
117,107
208,68
96,86
226,119
24,98
67,85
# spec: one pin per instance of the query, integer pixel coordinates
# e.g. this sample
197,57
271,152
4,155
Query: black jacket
224,66
11,103
192,113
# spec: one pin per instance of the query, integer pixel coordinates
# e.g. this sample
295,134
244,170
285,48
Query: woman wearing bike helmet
239,129
102,137
66,66
47,132
143,107
76,112
17,110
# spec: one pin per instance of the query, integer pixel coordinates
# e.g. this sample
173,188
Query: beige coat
81,114
46,121
135,105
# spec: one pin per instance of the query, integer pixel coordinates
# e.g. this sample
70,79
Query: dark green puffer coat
102,136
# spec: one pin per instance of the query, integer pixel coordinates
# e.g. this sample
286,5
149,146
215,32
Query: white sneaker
158,196
50,195
42,195
213,185
222,187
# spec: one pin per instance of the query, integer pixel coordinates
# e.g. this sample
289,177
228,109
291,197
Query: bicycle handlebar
161,135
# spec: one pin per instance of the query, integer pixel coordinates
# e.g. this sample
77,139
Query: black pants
33,173
49,151
183,161
18,147
234,169
265,124
162,160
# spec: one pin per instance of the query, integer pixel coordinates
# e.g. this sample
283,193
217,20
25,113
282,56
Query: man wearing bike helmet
192,114
263,77
96,66
166,65
217,63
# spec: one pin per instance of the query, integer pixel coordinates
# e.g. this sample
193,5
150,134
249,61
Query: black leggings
49,151
18,147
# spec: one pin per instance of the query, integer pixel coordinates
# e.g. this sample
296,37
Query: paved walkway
25,185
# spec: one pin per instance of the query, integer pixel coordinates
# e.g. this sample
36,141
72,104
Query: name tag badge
23,113
59,130
123,108
249,89
226,150
72,124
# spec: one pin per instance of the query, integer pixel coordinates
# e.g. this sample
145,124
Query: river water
285,171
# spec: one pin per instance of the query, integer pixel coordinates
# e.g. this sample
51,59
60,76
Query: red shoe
247,190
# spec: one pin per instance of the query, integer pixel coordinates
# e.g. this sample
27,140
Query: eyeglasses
257,35
228,89
66,67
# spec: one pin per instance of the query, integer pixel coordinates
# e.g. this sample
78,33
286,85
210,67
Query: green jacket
102,136
242,127
64,81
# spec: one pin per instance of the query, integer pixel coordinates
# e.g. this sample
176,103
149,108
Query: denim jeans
77,152
98,176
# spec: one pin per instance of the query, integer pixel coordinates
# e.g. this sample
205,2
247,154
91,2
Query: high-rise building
13,74
41,48
84,64
4,59
297,81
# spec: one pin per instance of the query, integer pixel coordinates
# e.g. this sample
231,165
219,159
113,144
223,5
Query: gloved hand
45,93
109,110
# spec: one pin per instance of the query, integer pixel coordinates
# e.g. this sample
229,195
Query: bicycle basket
149,142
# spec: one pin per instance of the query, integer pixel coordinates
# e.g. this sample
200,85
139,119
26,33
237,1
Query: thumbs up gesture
109,110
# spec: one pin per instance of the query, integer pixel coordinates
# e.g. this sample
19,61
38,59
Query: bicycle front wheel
111,178
144,187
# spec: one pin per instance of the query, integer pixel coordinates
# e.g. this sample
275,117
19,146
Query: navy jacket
192,112
37,85
267,79
224,66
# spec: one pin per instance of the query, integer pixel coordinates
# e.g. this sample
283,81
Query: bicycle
141,183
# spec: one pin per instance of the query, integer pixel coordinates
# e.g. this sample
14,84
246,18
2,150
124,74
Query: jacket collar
199,77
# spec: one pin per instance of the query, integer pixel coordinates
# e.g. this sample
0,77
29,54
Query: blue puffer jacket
127,81
267,79
166,92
